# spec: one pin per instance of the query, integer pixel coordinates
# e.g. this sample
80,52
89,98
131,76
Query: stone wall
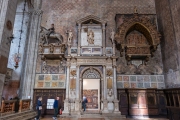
65,13
168,22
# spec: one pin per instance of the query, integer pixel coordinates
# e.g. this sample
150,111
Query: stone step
94,116
26,115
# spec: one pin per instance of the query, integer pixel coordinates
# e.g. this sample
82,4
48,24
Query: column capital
77,65
36,12
68,65
114,66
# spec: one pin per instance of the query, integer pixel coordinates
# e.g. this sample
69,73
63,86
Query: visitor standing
55,105
39,108
84,103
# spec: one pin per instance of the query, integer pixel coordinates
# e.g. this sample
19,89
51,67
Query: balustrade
8,106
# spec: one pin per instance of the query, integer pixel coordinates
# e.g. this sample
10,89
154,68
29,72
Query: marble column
105,102
104,39
80,93
114,82
66,101
113,48
69,50
77,101
116,102
102,91
79,39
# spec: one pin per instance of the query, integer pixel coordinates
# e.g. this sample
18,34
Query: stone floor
50,118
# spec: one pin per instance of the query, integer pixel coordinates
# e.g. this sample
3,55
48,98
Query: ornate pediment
138,37
91,19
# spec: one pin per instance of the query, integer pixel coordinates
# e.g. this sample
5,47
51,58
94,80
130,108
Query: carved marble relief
91,35
109,83
73,83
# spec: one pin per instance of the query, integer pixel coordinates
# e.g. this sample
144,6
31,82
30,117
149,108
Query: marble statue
90,37
46,34
70,37
112,34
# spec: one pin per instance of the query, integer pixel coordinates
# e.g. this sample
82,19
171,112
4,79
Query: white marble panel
97,35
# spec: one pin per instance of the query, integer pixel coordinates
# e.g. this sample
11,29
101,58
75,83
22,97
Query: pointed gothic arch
147,29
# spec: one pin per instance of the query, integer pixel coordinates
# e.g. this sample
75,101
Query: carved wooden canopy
138,37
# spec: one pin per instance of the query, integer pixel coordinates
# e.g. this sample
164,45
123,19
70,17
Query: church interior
121,55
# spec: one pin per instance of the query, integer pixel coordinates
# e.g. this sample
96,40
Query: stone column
28,77
7,13
102,91
69,50
66,101
114,82
79,39
105,102
116,102
103,39
80,93
77,101
113,48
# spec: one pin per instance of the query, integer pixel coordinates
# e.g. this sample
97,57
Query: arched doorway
91,88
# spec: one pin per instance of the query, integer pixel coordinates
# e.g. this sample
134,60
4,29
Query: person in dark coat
39,108
55,105
84,103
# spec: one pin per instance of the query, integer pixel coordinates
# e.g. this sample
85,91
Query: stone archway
93,75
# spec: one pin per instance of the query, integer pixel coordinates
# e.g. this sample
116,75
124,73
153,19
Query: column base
105,109
77,105
116,106
66,107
